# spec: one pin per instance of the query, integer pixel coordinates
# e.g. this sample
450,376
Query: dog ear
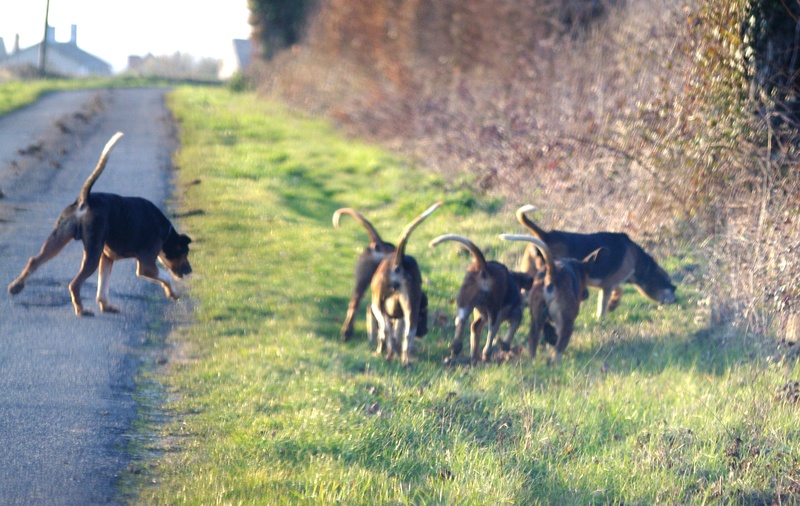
592,257
524,281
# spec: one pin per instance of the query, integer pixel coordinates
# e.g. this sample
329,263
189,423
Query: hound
625,262
113,227
492,293
555,297
366,265
397,295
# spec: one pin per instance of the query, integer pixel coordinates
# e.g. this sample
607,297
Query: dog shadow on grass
703,351
645,338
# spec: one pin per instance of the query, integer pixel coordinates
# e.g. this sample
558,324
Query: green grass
269,407
16,93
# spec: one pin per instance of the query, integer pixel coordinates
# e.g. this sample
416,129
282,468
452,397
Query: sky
114,29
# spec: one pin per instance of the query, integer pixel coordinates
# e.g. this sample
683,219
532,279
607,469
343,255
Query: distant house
61,58
237,59
136,64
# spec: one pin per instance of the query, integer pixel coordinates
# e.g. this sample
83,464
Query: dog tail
530,225
401,245
101,164
479,258
374,237
550,264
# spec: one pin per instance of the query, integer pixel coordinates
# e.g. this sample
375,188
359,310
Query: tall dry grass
625,116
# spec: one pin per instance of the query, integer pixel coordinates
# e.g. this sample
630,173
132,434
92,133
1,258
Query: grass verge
648,406
16,93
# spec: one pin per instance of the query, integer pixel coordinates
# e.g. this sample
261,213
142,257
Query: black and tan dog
490,291
112,227
624,262
397,295
366,265
556,295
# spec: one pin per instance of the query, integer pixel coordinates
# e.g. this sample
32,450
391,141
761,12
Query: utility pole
43,46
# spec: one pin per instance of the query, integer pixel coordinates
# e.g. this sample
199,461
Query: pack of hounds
557,269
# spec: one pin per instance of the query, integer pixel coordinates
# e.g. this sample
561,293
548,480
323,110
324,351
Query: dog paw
170,293
84,312
16,287
346,334
108,308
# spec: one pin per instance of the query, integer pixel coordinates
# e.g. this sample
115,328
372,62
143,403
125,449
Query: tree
278,24
772,33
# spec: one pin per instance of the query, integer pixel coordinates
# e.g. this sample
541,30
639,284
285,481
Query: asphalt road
67,384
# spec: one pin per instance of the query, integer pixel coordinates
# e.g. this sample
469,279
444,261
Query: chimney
51,34
73,37
16,44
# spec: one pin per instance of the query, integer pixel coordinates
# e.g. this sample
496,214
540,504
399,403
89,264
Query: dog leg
91,259
390,336
147,269
614,300
550,336
564,328
352,307
103,282
494,326
380,347
422,323
513,324
602,302
371,330
378,329
398,331
533,336
409,333
475,337
457,344
379,318
58,239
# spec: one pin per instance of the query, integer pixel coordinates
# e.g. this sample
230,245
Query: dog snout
182,269
668,297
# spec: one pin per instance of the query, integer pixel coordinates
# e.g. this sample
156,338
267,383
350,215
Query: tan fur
101,165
